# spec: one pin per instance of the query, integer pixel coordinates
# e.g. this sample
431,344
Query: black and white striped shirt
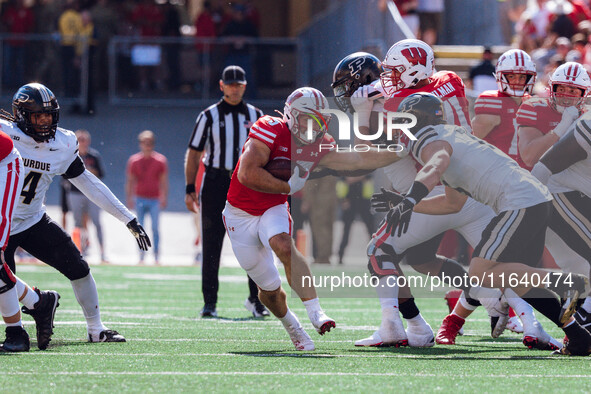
221,131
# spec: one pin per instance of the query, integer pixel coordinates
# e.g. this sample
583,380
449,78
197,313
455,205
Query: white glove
569,115
362,104
296,183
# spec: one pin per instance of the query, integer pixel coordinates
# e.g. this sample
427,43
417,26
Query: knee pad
7,279
269,283
383,265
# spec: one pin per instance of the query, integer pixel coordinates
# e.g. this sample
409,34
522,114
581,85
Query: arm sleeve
570,149
101,195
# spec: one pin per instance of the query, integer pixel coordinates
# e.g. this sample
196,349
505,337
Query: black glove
143,241
399,217
385,200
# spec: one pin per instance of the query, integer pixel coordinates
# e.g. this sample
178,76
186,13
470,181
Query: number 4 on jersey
30,186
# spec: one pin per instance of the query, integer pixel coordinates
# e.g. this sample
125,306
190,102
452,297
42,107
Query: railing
43,58
179,71
186,70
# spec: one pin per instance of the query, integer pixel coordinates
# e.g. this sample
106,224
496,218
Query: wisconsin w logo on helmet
415,55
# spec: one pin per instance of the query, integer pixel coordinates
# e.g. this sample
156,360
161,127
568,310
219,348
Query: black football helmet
427,108
35,98
355,70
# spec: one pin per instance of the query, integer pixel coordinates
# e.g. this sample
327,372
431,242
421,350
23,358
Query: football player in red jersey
543,121
11,171
257,215
495,122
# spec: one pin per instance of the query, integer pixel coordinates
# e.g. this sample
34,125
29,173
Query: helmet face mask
406,64
302,114
352,72
515,61
30,101
575,84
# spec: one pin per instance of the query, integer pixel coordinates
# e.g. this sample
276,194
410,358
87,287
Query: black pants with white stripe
213,200
571,221
516,236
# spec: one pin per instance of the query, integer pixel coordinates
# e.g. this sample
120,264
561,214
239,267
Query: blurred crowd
552,32
80,27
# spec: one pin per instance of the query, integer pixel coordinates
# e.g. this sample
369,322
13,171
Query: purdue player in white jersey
48,151
514,239
421,243
566,169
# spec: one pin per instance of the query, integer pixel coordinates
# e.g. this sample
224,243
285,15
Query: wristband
190,188
417,192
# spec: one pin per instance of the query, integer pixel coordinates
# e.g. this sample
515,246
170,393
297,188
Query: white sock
417,321
30,298
522,309
463,302
290,321
587,304
485,294
9,306
312,305
87,296
388,295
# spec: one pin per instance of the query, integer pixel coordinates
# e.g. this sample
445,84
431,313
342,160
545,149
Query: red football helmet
407,62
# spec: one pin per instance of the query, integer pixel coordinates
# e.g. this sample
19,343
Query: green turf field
171,349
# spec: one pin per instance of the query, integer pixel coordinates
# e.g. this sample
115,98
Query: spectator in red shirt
146,185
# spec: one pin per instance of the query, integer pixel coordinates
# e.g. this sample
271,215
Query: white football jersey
41,161
577,176
481,170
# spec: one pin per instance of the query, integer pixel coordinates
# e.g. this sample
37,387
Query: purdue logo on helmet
352,72
31,99
426,107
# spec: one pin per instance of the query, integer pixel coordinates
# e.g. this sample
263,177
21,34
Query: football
279,167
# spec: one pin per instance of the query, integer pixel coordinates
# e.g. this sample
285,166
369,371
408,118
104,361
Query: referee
220,131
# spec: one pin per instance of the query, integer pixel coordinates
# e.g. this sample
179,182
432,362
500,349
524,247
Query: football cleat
451,298
535,337
498,311
420,335
321,322
209,311
106,336
583,318
390,334
256,307
449,329
300,338
569,305
43,313
578,343
17,340
514,325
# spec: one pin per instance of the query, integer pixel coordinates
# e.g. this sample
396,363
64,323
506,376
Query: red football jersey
6,145
504,135
446,85
537,112
274,133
